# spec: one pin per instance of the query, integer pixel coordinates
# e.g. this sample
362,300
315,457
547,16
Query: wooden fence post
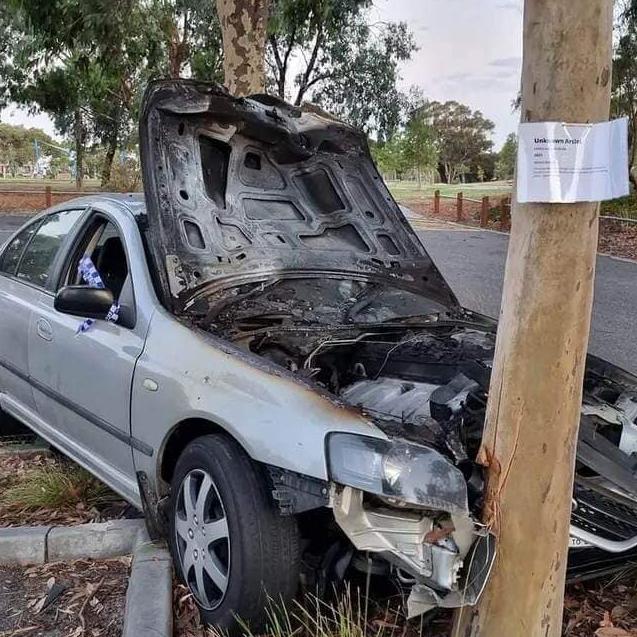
459,207
505,212
437,202
484,212
48,197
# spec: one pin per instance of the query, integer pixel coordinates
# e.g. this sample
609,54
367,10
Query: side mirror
84,301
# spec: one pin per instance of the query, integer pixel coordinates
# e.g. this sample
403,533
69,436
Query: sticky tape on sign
565,163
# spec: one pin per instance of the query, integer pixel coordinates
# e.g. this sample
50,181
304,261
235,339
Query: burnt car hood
244,189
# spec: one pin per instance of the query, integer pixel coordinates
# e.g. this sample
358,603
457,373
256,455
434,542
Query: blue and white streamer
92,278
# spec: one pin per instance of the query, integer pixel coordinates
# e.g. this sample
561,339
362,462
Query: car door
82,372
26,264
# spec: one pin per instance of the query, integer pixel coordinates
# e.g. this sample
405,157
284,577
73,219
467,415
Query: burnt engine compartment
423,385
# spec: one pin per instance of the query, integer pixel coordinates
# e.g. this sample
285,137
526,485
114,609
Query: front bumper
448,569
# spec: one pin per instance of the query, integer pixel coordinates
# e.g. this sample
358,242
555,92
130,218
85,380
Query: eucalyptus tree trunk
243,28
534,403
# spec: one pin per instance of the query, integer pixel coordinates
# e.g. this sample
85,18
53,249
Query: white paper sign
564,163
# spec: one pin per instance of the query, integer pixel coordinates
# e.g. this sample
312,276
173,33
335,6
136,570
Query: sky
469,51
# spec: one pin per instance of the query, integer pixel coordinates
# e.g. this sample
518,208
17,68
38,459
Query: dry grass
348,614
56,486
40,488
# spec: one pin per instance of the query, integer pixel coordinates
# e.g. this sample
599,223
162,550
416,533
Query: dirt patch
604,608
448,212
81,598
76,498
618,239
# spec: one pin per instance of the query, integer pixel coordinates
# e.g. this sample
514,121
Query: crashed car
261,355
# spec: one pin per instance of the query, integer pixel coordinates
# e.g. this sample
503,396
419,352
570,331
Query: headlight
397,469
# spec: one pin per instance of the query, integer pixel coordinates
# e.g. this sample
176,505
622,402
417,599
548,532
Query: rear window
11,256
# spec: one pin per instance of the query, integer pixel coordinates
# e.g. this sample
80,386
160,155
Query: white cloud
472,53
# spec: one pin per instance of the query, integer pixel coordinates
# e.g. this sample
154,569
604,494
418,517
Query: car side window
37,259
104,246
12,253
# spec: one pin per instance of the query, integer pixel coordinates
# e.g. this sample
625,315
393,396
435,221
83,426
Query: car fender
278,418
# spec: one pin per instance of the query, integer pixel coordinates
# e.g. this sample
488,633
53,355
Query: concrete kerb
42,544
149,601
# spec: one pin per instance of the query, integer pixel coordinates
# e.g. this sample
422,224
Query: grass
29,183
623,207
406,190
55,486
345,615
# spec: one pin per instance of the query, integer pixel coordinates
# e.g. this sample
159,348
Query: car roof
134,201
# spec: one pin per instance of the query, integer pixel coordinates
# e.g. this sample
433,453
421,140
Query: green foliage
624,89
462,136
421,149
125,177
86,62
390,156
348,66
505,164
413,149
17,146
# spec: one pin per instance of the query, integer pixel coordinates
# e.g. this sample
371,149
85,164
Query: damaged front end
409,504
414,498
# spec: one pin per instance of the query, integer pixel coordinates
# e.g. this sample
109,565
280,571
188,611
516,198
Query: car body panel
239,188
16,303
277,418
82,384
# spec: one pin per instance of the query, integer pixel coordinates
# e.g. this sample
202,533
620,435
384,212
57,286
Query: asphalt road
473,263
9,224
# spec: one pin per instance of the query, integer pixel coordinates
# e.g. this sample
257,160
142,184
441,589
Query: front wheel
230,545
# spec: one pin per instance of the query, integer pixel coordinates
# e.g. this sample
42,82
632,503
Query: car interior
103,244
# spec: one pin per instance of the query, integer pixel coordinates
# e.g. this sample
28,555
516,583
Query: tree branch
309,69
280,66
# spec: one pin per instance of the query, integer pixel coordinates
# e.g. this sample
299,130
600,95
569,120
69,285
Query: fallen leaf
612,631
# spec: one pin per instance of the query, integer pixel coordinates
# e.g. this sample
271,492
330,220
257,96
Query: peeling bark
243,26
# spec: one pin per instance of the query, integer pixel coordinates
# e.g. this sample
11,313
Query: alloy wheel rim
202,538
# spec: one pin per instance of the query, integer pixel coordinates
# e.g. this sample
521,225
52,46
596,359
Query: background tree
326,51
421,151
86,62
17,146
80,62
390,156
189,36
624,92
505,164
462,136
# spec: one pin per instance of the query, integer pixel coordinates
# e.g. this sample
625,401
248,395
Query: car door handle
44,329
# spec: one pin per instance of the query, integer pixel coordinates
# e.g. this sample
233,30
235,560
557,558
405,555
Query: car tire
230,576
